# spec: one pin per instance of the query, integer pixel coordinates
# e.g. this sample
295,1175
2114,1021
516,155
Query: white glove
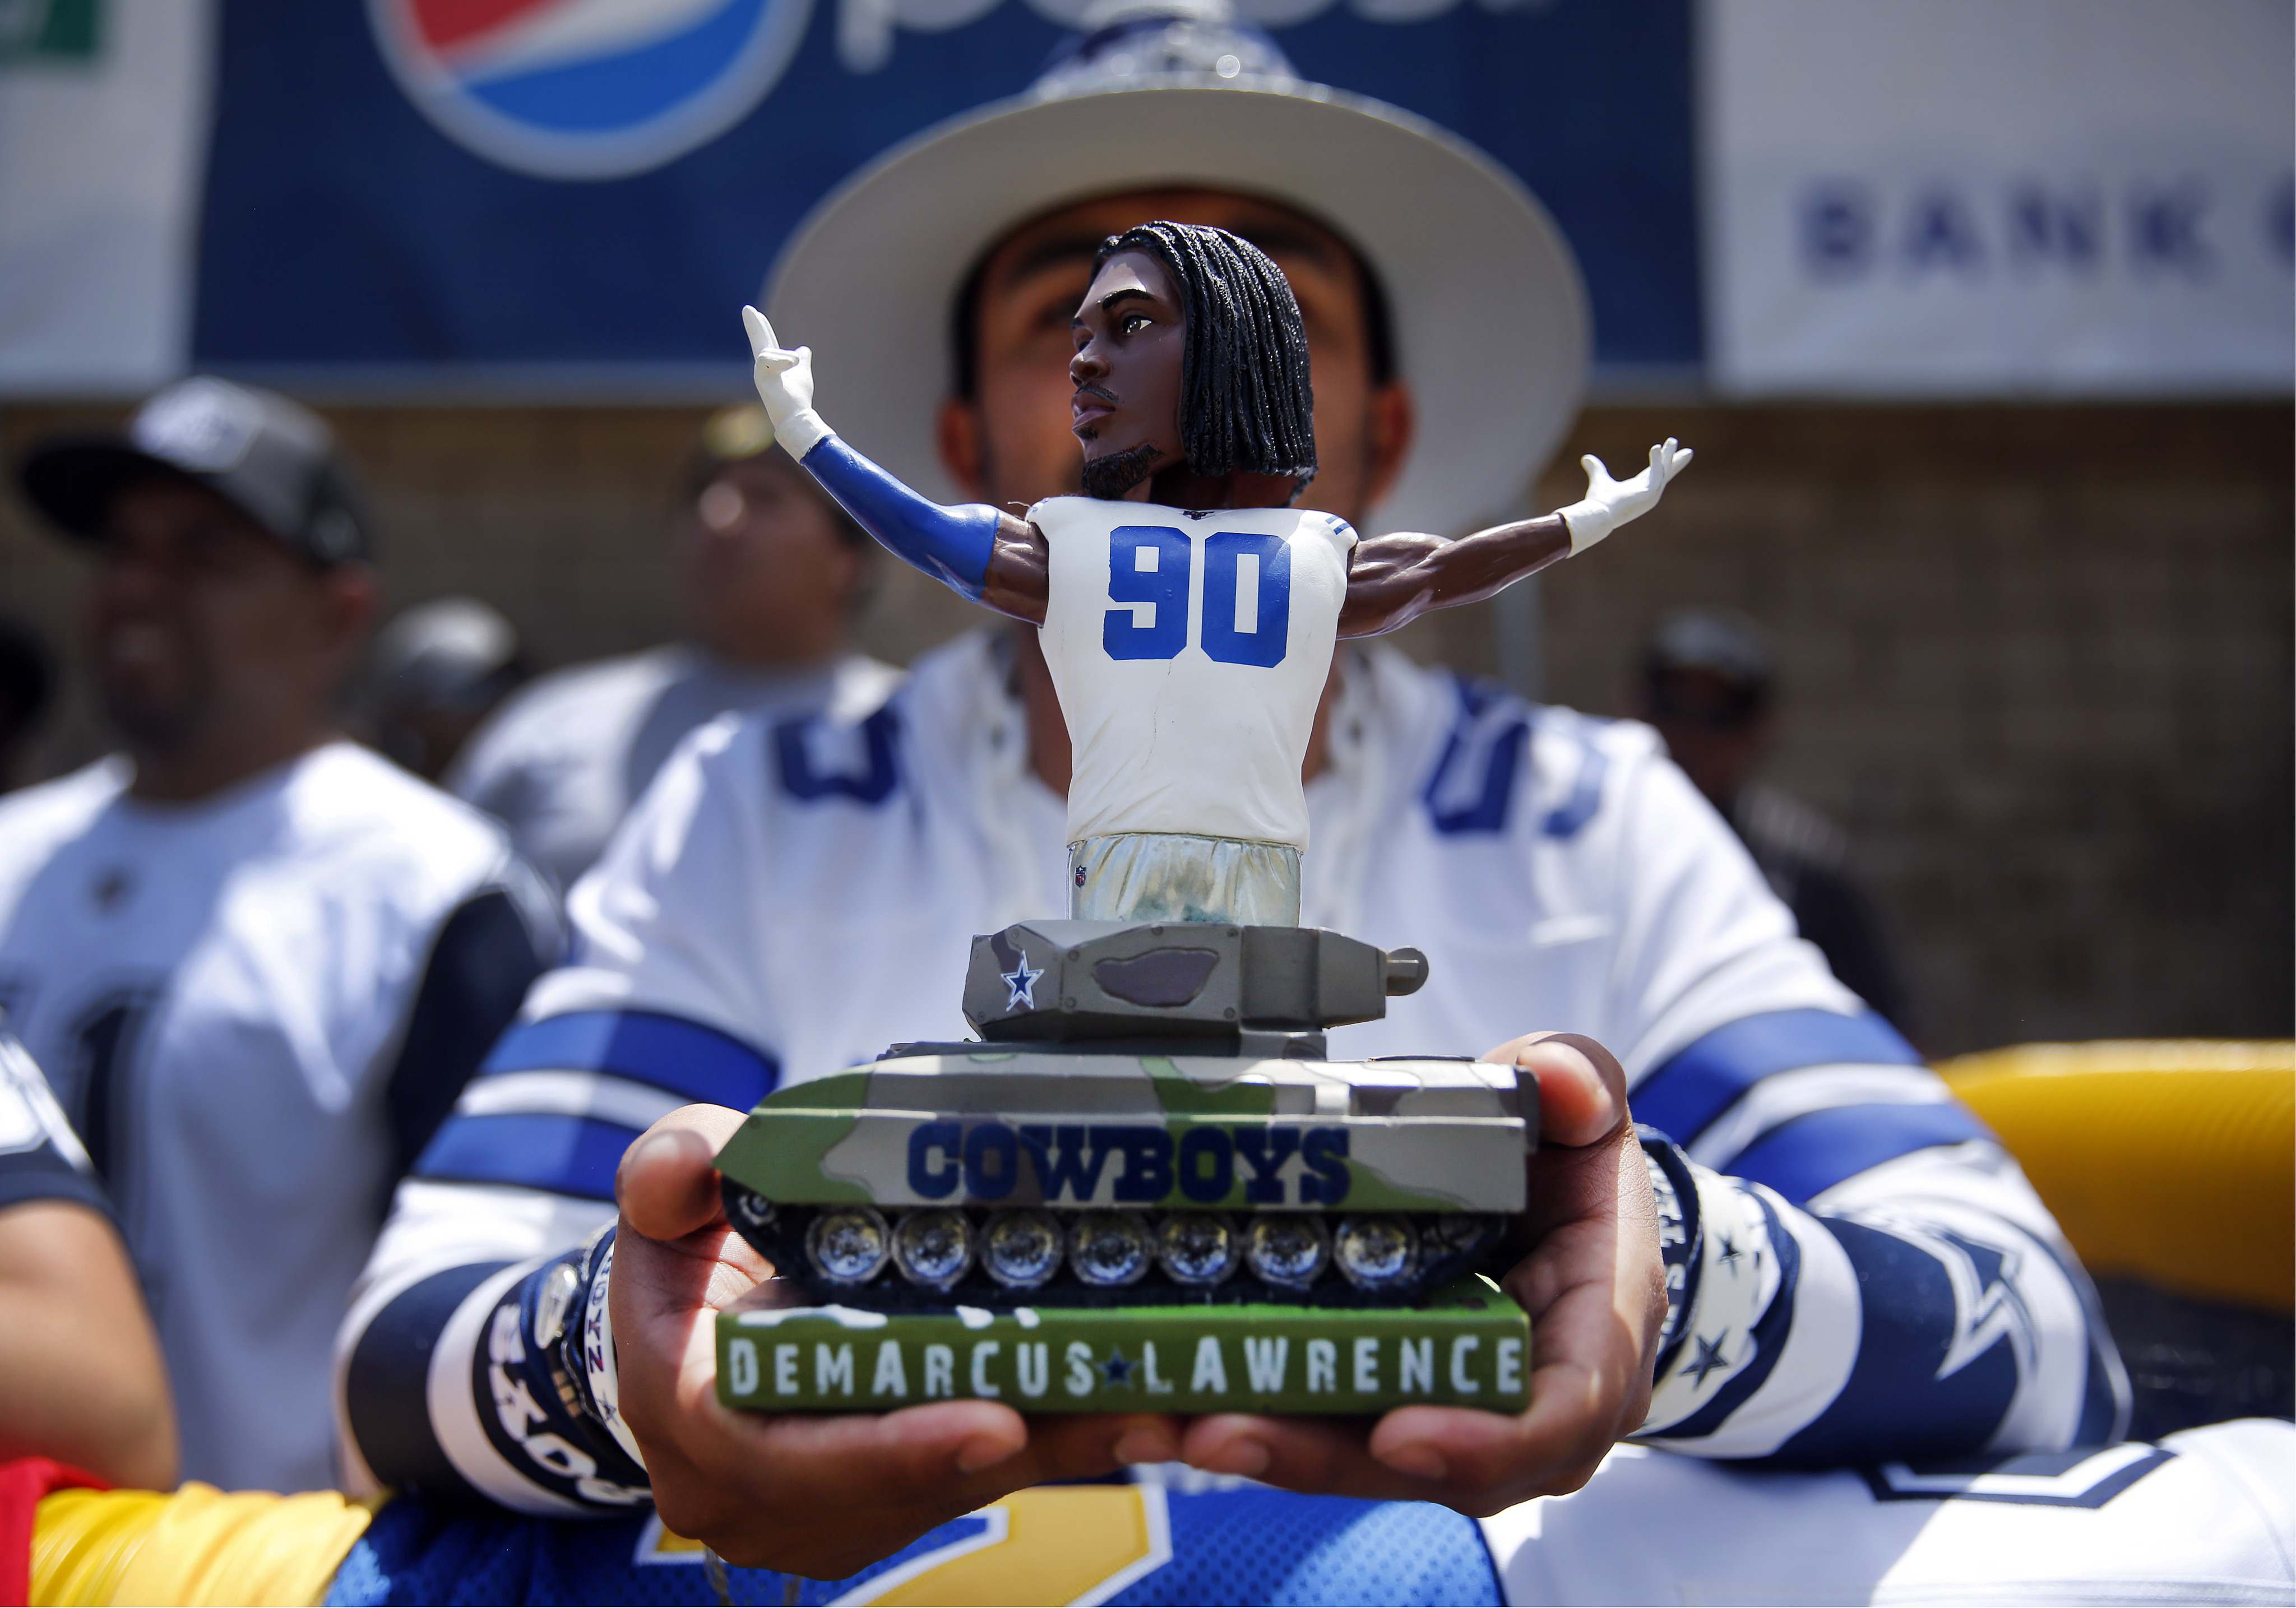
1610,504
784,380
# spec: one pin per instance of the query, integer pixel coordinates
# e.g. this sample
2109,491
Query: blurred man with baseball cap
440,669
258,961
788,902
770,574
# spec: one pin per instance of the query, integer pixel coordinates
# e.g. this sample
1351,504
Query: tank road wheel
1021,1250
1196,1248
933,1247
848,1244
1288,1250
1110,1249
1376,1253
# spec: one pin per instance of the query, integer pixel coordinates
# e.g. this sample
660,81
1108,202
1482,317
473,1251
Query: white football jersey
1856,1271
221,994
1189,649
564,758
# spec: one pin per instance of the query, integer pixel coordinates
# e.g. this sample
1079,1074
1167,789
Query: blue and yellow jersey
1115,1544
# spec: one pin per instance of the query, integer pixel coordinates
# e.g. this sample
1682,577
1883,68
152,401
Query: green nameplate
1469,1345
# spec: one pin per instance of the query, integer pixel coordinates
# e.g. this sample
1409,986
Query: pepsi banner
423,193
553,197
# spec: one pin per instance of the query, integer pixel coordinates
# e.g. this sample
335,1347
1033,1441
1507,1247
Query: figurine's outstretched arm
1393,579
983,554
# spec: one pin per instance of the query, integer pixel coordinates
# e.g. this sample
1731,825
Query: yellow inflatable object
196,1545
2172,1160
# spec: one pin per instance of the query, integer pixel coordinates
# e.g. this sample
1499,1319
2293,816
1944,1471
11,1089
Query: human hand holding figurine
784,382
813,1494
1610,504
1595,1287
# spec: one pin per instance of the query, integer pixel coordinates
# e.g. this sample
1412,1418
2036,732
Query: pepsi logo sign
587,89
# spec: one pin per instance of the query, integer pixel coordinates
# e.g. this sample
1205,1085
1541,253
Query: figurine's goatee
1110,477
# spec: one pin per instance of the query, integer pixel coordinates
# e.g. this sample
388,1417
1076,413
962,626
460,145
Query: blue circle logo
587,89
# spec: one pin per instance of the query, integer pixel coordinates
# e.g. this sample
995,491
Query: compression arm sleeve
951,545
1923,1308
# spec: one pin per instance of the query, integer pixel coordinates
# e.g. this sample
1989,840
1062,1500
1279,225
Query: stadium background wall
2037,658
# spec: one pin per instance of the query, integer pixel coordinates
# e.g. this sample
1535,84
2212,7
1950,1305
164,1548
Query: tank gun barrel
1080,981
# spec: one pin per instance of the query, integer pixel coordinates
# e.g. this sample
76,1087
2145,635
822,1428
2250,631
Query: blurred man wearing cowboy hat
792,900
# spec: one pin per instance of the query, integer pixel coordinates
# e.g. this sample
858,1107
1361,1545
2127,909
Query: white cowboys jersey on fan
1859,1270
255,1009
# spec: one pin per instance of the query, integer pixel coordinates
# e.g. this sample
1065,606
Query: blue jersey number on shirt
1162,583
1164,587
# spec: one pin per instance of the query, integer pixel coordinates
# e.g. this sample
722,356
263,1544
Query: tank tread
931,1258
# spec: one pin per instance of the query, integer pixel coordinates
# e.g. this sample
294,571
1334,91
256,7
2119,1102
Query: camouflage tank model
1143,1188
1147,1119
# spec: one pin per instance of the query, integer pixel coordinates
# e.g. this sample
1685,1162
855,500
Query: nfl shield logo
587,89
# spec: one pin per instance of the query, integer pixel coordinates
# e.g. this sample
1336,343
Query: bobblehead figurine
1189,610
1145,1187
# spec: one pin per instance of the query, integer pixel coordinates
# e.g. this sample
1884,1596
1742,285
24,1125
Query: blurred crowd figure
81,1380
770,573
257,962
26,687
440,669
1708,682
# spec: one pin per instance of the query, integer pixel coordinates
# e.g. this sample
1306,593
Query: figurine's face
1010,442
1125,409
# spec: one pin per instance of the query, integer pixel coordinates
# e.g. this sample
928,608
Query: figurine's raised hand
816,1494
1610,504
784,380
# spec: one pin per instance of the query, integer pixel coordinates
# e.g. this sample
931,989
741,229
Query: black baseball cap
1716,641
273,459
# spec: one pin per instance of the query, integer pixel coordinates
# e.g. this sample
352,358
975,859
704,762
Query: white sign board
1991,197
104,126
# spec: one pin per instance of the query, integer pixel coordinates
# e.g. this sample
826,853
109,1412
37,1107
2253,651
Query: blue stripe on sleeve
1702,1082
1895,1404
668,1052
566,1155
386,1388
1810,1154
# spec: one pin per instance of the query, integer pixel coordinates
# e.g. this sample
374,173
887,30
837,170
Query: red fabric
22,1483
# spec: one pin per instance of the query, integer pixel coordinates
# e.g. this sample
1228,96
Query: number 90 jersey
1189,650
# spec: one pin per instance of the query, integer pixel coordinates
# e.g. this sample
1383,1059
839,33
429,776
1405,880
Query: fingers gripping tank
1189,650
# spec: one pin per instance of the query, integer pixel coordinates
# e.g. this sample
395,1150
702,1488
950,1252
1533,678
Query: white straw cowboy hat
1489,318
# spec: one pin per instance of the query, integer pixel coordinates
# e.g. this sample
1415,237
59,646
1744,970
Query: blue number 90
1263,642
1165,587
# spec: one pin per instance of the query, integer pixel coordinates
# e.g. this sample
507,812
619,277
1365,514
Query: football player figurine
1189,611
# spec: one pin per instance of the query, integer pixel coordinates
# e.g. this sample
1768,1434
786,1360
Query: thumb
667,1184
1582,1089
761,333
1597,476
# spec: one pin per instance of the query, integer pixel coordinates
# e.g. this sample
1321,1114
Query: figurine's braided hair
1245,400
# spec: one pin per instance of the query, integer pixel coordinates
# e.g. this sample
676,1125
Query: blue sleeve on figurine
951,545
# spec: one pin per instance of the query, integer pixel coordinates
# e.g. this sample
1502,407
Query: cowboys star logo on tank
587,89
